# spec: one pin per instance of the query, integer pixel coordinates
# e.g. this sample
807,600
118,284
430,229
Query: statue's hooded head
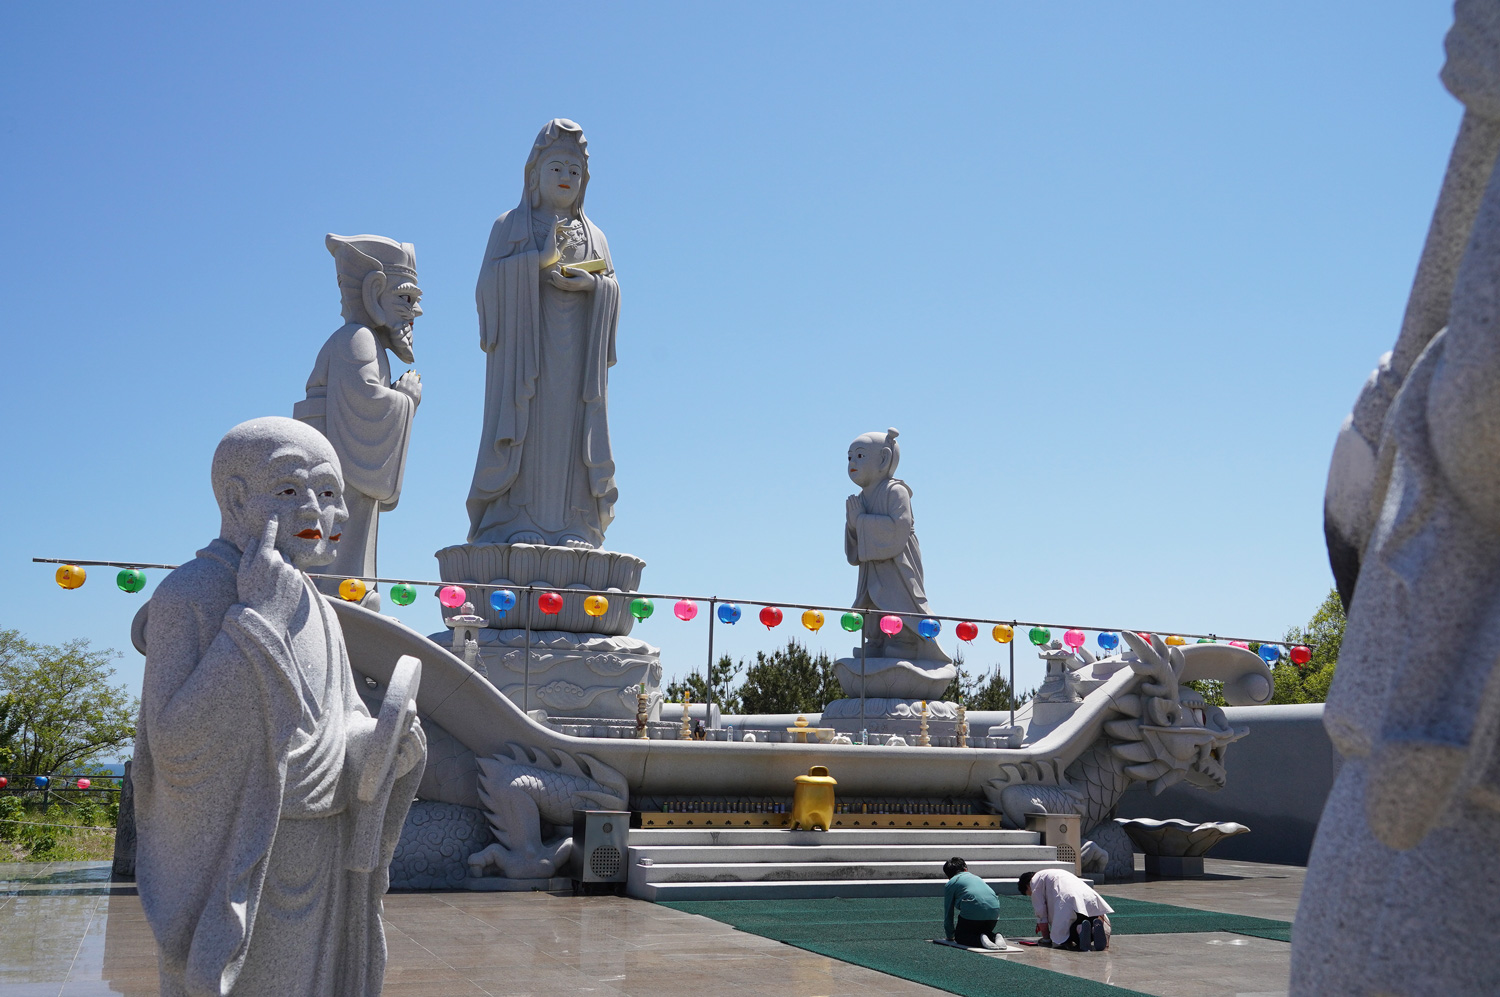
557,171
873,457
283,468
378,286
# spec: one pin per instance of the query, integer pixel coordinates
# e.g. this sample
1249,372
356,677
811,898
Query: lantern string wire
720,600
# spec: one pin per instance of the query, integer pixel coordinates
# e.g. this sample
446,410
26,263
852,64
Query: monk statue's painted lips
311,534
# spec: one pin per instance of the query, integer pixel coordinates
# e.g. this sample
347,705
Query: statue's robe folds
883,544
244,799
350,400
545,465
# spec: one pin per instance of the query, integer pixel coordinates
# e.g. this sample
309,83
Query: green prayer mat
892,935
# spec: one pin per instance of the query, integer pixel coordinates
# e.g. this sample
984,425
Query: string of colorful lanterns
132,579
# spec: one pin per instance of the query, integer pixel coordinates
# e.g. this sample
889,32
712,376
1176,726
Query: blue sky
1115,271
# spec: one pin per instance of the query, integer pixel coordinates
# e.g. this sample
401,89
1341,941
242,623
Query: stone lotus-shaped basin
1177,838
553,568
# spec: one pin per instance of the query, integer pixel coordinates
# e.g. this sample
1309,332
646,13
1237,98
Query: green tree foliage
62,710
725,671
976,692
789,680
1323,634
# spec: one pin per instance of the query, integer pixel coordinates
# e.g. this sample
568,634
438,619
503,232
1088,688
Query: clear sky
1116,272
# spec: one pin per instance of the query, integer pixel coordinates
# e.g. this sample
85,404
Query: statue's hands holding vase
578,281
550,252
267,582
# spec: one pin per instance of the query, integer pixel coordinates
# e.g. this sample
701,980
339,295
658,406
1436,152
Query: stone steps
745,864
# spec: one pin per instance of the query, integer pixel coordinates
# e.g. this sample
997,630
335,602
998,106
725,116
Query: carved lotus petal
1175,837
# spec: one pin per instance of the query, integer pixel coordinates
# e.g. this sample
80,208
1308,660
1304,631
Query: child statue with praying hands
880,538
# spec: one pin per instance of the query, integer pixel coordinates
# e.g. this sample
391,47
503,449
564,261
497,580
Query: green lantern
642,608
851,621
1039,635
1207,640
403,594
131,580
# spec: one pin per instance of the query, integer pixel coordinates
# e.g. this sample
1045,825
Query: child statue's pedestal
578,665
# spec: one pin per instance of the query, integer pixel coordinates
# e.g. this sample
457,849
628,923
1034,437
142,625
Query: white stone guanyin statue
546,473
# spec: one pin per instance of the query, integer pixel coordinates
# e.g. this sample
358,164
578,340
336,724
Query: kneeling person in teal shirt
975,904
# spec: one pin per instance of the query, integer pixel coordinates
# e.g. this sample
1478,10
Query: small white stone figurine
268,802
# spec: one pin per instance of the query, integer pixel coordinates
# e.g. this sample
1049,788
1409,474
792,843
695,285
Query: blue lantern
729,613
1109,641
929,628
1270,653
42,782
502,600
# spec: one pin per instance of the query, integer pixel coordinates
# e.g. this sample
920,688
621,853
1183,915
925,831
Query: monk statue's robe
883,544
350,400
244,796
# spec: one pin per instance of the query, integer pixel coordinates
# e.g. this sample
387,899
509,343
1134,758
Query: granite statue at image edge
545,472
1406,844
350,396
253,747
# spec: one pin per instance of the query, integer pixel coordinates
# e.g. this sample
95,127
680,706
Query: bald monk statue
352,400
255,758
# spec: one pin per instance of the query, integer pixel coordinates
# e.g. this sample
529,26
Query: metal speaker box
1061,831
600,838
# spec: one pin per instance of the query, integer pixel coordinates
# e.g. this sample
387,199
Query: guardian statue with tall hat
352,400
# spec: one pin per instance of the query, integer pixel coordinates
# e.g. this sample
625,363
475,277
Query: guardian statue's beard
400,340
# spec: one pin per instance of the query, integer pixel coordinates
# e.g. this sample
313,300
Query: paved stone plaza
66,930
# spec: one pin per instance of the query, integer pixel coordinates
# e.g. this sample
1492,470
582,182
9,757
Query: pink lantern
452,596
685,609
84,783
890,625
1239,643
1074,639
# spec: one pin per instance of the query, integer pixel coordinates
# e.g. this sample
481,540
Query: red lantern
770,616
4,782
550,603
966,631
1301,655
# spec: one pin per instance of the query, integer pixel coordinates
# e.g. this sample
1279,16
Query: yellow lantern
1003,633
352,589
596,605
812,620
1176,641
70,576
